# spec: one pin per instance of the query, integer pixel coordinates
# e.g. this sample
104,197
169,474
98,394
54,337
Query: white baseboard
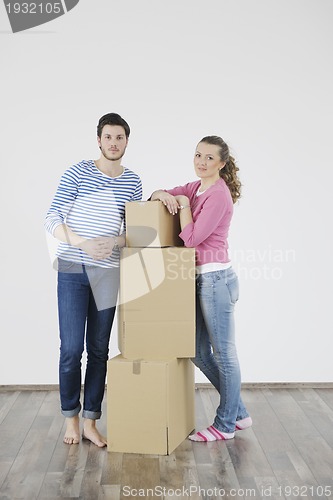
246,385
276,385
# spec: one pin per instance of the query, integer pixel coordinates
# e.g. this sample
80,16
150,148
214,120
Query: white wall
259,74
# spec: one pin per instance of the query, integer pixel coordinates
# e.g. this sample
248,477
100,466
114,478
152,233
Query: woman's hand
167,199
185,215
182,200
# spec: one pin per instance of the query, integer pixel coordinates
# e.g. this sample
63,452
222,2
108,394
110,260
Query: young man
87,216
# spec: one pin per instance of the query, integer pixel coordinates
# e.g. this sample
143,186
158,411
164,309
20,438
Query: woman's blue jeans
216,355
86,306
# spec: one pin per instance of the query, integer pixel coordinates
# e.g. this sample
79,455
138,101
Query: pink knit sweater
212,212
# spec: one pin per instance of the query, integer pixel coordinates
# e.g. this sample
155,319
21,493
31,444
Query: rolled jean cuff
220,427
243,415
92,415
71,413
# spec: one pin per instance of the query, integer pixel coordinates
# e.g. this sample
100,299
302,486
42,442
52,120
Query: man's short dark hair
112,119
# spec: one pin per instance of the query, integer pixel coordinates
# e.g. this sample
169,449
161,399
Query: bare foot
72,434
91,433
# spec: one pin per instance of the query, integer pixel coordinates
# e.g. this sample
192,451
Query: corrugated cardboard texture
156,313
150,410
150,224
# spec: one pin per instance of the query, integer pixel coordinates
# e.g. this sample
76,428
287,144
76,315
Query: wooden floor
287,454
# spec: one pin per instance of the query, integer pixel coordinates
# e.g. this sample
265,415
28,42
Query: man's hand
98,248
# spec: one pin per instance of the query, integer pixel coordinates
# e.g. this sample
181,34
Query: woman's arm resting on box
185,213
167,199
175,203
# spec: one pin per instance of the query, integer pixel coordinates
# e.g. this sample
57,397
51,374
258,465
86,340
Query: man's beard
114,157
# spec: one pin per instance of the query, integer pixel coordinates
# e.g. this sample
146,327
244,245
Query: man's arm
98,248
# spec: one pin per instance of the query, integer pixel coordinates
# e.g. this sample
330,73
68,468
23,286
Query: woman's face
207,162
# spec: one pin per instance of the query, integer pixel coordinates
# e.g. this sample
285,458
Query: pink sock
244,423
211,434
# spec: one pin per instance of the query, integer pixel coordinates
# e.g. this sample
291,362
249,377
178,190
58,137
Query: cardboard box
150,224
156,311
150,405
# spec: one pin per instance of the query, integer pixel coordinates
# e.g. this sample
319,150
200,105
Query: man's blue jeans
86,306
216,355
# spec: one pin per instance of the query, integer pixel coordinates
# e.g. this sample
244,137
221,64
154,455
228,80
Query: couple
87,216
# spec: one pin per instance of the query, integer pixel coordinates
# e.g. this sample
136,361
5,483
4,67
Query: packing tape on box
137,366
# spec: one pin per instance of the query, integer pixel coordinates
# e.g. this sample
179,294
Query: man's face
113,142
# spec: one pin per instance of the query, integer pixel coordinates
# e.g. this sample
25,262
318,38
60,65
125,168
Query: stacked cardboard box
150,387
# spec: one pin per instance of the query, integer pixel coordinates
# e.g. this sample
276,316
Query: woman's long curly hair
229,171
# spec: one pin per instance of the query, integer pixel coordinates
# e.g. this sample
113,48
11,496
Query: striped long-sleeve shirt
91,204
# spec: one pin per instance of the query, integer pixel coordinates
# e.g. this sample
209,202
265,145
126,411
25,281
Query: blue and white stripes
92,204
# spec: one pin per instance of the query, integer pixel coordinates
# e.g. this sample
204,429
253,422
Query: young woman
206,208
